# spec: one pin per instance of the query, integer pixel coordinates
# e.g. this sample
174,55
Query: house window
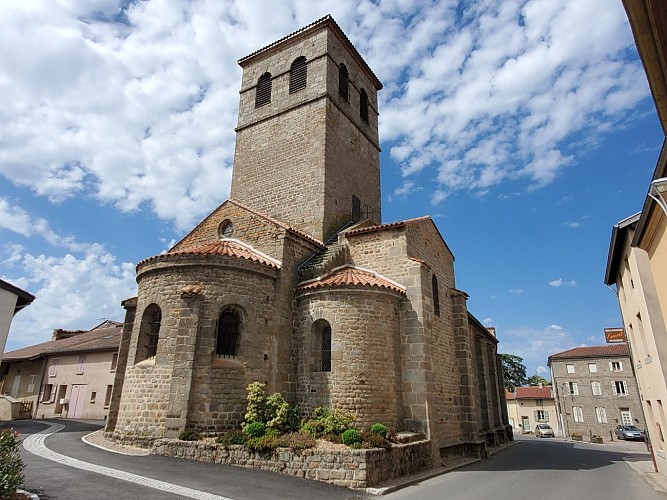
53,369
578,414
616,366
539,402
149,332
114,362
107,396
31,384
228,334
570,368
298,74
592,368
620,387
601,414
363,105
226,229
263,90
574,388
436,295
93,397
80,365
49,393
343,82
596,389
626,416
541,415
326,349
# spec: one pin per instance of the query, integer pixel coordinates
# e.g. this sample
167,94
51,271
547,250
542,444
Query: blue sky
522,127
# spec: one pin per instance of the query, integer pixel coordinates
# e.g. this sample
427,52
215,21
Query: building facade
595,390
529,406
71,376
295,282
12,300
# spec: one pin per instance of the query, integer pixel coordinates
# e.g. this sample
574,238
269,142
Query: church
296,282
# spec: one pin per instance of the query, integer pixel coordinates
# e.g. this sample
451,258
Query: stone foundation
347,467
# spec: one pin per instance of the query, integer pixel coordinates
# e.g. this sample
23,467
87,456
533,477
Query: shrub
350,437
255,429
262,444
373,440
232,437
255,410
11,464
190,435
380,429
297,441
328,421
273,411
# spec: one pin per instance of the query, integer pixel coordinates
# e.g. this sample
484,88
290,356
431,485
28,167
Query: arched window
326,349
342,82
228,334
363,105
149,332
298,75
436,295
263,90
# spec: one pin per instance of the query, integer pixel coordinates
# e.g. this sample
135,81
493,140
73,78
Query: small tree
514,371
273,411
11,464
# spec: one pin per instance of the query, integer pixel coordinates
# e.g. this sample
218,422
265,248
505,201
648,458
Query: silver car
544,430
629,432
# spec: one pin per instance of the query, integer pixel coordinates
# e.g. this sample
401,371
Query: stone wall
348,468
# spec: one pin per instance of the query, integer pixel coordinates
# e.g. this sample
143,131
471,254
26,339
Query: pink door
76,400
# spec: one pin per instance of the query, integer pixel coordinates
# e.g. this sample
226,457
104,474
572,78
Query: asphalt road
543,469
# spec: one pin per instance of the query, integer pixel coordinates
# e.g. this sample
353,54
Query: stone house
595,390
70,376
529,406
294,280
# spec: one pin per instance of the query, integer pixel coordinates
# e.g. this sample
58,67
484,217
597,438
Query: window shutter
537,416
625,387
620,366
613,388
546,416
54,389
611,367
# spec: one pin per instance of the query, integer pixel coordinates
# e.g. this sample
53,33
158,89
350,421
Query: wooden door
76,400
15,386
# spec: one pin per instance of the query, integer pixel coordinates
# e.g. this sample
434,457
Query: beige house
12,300
295,281
529,406
595,390
638,248
70,376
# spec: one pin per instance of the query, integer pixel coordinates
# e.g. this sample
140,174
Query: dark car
629,432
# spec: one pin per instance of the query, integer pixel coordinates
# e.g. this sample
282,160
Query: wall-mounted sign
614,335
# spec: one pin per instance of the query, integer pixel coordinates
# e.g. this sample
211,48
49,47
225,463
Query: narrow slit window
228,333
343,82
363,105
263,90
436,295
326,349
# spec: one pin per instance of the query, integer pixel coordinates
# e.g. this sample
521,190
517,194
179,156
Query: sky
525,129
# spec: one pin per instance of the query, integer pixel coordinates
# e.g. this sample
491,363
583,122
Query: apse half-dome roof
226,247
350,275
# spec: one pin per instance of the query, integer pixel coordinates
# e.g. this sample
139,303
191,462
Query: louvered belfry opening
343,82
228,333
263,90
363,105
326,349
298,75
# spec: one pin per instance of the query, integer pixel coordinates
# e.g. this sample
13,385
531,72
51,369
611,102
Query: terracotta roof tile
593,352
226,247
533,392
101,339
350,275
382,227
509,396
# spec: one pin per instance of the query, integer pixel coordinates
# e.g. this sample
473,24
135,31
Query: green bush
328,421
232,437
297,441
373,440
255,429
350,437
273,411
380,429
262,444
190,435
11,464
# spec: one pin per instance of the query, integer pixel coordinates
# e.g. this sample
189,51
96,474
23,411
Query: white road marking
35,445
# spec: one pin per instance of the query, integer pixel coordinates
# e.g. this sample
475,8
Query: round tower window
226,229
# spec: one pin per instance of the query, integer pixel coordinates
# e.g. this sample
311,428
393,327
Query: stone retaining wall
348,467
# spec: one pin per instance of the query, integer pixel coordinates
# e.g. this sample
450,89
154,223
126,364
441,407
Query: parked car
543,431
629,432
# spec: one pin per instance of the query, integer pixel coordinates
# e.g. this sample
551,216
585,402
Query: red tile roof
382,227
101,339
533,392
509,395
226,247
593,352
350,275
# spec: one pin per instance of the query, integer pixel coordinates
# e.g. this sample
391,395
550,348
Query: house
70,376
638,247
529,406
12,300
296,282
595,390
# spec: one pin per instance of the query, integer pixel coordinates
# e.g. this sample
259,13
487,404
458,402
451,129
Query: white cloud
487,321
561,282
535,345
516,291
543,371
554,327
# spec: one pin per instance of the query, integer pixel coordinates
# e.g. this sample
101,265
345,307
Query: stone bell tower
307,150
